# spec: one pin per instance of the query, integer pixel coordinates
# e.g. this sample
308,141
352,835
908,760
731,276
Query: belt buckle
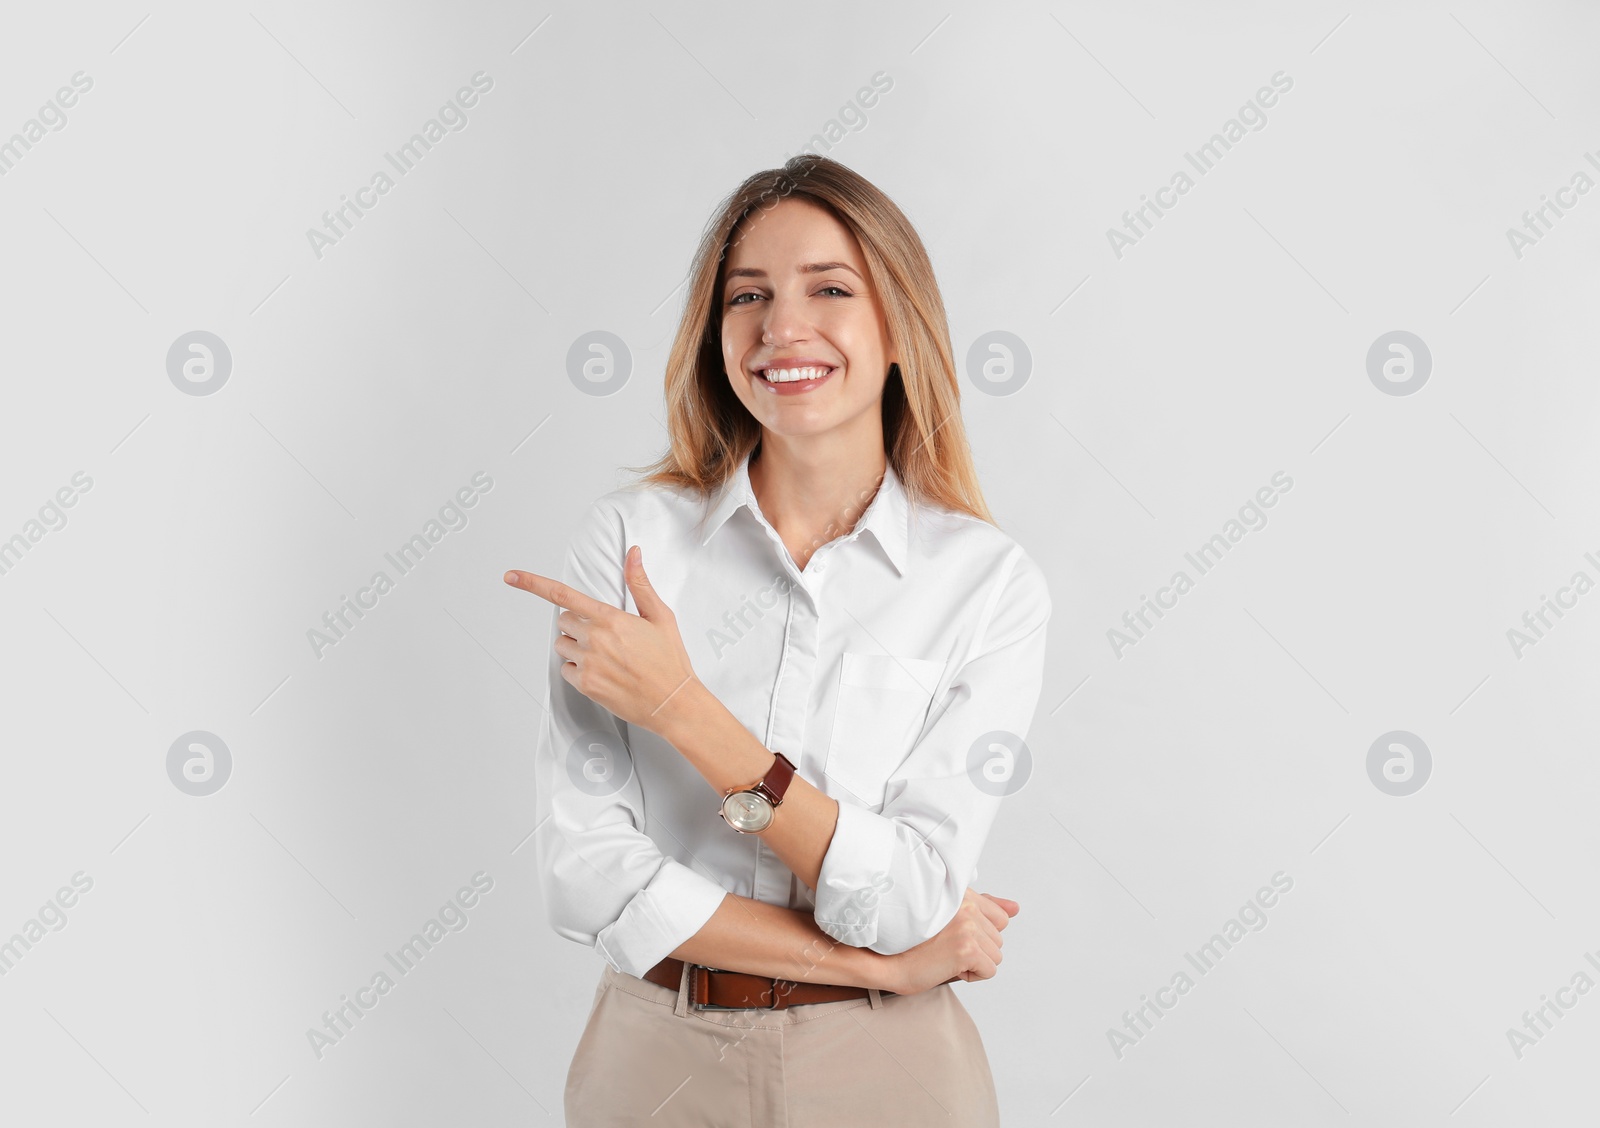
717,1007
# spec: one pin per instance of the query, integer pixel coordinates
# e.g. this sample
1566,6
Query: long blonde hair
711,431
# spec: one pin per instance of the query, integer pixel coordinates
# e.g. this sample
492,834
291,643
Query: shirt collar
887,517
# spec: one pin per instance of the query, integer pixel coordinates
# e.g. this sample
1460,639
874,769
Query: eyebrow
803,268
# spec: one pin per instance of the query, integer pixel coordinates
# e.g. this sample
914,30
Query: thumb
651,605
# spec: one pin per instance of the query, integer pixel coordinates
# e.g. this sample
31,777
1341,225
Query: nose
785,322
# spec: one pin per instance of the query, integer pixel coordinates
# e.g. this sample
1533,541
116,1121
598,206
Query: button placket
787,722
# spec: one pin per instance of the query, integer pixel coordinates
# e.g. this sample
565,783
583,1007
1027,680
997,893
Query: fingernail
511,577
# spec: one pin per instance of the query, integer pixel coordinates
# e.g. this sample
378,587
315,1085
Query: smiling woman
818,503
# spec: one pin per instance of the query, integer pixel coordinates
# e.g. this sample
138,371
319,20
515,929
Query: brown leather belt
714,989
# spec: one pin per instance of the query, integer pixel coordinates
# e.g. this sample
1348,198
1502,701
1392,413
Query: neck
815,489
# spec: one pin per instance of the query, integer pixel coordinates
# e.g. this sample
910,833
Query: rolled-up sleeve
892,879
604,881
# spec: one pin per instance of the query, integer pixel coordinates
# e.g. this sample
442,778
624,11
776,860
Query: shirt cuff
852,878
671,908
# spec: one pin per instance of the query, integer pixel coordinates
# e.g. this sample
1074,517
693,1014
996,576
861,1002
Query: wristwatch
749,810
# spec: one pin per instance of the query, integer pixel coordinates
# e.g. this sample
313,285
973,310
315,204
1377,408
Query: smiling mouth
813,373
791,382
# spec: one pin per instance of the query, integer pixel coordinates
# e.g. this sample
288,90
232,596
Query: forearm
762,939
718,745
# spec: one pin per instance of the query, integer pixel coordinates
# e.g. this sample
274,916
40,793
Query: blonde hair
711,431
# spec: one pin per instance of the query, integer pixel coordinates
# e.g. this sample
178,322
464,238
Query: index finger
562,595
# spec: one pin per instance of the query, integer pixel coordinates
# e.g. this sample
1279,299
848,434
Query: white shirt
875,670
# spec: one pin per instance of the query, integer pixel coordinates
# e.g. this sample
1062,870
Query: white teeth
789,375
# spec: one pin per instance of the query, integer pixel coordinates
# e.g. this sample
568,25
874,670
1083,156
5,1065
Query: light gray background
1166,387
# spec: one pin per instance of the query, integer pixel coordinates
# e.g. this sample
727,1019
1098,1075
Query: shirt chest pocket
883,702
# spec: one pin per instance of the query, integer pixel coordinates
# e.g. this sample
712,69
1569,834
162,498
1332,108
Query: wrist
862,967
885,971
685,715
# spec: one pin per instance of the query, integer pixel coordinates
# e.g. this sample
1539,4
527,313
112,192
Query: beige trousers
648,1057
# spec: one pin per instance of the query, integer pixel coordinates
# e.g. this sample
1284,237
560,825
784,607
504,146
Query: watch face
747,811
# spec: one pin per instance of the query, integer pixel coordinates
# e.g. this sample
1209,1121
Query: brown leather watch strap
778,777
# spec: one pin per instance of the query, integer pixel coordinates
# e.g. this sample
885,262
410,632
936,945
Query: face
796,292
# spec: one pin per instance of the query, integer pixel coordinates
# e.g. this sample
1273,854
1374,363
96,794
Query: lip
795,387
794,362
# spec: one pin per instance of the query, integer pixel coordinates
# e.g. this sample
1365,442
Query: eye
840,290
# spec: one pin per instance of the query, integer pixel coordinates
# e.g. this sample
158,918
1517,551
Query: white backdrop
1331,315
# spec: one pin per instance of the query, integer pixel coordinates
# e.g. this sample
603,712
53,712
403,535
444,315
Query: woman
768,766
